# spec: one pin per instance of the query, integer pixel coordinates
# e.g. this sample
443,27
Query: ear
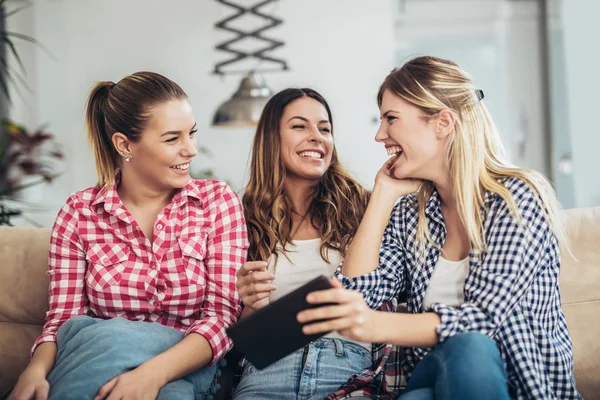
122,144
446,121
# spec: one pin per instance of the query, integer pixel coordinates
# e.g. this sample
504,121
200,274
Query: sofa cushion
23,263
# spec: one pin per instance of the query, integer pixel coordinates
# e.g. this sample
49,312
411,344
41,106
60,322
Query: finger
255,288
388,164
331,312
336,283
251,300
262,277
106,389
42,393
333,325
251,266
336,295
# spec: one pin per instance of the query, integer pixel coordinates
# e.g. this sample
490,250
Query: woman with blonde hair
472,243
302,209
142,265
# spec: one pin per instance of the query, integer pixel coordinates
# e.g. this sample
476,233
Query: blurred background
534,59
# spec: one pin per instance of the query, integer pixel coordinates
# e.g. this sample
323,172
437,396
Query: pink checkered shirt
101,263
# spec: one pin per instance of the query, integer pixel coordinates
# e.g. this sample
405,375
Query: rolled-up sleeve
388,280
66,269
227,244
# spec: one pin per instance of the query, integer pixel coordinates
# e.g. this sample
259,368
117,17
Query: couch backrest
23,296
580,294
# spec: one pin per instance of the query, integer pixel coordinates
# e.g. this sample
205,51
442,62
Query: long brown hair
338,204
475,153
123,107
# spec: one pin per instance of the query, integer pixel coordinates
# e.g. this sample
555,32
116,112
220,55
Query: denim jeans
92,351
328,364
467,366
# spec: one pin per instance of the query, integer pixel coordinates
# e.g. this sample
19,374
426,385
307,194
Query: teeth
182,167
313,154
394,150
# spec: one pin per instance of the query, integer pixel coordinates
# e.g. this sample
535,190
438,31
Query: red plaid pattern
102,264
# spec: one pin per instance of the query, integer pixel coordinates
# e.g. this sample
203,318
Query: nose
190,148
315,135
381,134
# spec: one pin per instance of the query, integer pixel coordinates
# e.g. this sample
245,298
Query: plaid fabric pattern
511,294
101,263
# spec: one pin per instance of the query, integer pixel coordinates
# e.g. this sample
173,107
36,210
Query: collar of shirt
109,197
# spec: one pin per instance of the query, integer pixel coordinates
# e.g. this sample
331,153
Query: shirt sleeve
66,269
388,280
516,254
227,245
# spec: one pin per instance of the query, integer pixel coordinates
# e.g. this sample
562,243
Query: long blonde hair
338,204
475,154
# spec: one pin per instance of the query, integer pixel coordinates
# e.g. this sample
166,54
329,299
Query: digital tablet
273,332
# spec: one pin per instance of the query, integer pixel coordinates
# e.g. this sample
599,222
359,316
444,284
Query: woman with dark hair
302,209
142,266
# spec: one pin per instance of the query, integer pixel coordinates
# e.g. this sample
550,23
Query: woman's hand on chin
398,187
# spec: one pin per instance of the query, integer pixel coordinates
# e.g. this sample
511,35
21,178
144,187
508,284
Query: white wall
341,48
582,31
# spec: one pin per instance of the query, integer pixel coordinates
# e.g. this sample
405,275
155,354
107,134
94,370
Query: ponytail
99,138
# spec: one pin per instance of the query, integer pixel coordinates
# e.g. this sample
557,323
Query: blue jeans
92,351
329,363
467,366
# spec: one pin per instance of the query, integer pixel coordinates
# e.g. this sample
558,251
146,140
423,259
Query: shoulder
213,191
82,199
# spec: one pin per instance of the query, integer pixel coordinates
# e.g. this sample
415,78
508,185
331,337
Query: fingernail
310,297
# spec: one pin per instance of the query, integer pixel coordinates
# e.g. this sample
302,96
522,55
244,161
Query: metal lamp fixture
246,104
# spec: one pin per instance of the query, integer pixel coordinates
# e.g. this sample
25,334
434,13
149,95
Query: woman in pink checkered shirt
142,265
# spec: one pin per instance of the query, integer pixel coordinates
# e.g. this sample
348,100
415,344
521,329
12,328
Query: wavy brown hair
338,203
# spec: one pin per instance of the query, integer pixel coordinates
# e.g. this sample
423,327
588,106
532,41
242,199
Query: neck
445,188
140,195
299,192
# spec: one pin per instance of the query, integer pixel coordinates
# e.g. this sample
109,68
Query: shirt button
104,260
159,227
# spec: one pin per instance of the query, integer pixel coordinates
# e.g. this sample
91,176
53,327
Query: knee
476,354
472,348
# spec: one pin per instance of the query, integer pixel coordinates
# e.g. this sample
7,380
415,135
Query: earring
127,158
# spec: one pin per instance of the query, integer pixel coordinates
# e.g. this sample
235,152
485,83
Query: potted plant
30,159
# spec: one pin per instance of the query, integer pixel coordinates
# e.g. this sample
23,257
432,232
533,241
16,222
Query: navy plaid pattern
511,294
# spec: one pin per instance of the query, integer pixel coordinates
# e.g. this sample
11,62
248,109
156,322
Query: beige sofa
23,302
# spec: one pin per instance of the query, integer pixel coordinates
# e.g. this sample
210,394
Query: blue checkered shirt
511,294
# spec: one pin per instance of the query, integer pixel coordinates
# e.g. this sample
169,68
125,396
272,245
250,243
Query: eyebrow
177,132
385,114
306,120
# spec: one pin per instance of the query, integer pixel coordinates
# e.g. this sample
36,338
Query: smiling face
162,156
306,139
413,137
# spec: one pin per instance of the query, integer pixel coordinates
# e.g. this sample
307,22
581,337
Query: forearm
408,330
363,254
43,358
192,353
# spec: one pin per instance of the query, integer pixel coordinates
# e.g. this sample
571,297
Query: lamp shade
245,106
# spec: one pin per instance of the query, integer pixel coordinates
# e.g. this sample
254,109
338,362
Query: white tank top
302,264
447,283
